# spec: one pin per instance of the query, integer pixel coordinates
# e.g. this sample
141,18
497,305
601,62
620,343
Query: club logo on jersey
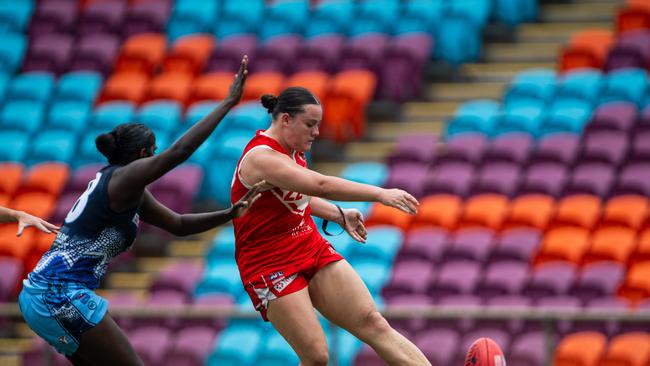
63,340
275,275
294,201
283,283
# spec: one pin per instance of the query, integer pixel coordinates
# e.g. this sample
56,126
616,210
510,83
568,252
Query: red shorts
274,285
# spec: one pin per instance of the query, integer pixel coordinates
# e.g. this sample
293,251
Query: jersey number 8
79,206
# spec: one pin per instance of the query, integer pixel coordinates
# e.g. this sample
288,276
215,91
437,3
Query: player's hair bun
269,102
106,145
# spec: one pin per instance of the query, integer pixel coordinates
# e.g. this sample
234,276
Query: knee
316,356
375,323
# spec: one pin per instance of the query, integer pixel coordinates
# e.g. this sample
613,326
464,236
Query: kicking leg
105,344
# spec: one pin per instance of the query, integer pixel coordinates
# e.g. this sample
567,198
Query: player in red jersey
287,267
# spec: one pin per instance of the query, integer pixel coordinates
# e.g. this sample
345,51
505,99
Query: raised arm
279,170
128,182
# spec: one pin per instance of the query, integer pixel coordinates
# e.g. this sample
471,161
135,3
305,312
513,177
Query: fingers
21,228
243,67
356,236
50,226
42,228
255,199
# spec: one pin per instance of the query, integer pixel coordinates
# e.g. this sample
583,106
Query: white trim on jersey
238,174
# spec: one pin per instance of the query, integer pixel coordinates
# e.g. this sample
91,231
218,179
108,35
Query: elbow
178,228
323,189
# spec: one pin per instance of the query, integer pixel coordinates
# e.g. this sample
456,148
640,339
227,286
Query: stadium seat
161,115
276,54
626,210
220,277
31,86
12,52
229,52
581,83
199,110
152,343
550,279
404,61
15,16
598,279
532,210
591,178
10,177
564,244
146,16
611,244
637,282
53,17
17,247
485,210
526,117
284,17
330,17
628,349
49,178
69,116
95,52
586,48
625,85
141,53
110,114
497,177
189,54
366,172
545,178
409,177
261,83
617,116
344,114
223,245
50,53
535,84
408,277
14,146
12,272
316,82
385,215
438,210
191,17
609,147
22,116
382,245
581,210
320,53
474,244
222,165
87,152
451,177
503,278
364,52
39,204
438,345
469,147
455,278
633,179
511,147
515,13
475,116
458,39
558,148
81,86
190,346
636,15
170,86
424,244
249,117
211,86
102,17
414,148
239,17
276,351
566,116
125,86
642,252
631,50
374,273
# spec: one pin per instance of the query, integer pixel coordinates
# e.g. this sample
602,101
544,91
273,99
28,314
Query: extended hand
400,199
240,208
237,86
354,225
26,220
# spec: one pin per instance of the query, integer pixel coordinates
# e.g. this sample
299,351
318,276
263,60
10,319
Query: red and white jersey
277,231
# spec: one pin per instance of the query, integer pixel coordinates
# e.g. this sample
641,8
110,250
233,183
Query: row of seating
593,349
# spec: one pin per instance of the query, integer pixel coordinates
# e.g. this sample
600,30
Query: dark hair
291,100
123,144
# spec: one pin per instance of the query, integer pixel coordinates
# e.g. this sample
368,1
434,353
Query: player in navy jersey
58,299
26,220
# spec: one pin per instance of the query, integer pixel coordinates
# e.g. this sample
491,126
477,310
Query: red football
485,352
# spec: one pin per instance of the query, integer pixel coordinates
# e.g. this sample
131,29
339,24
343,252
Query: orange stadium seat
611,244
629,349
345,105
261,83
316,81
385,215
11,175
439,210
50,178
4,199
637,283
636,15
587,48
580,349
564,244
14,246
142,53
487,210
578,210
174,86
39,204
189,54
642,252
628,210
127,86
212,86
531,210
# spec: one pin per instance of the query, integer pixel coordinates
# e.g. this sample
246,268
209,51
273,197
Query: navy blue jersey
90,237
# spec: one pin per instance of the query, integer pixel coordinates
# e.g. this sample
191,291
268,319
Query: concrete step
502,71
368,151
390,131
429,111
460,92
141,294
555,32
129,280
579,11
16,345
189,248
11,360
518,52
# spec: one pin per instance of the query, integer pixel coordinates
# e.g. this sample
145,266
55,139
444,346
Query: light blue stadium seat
199,110
238,17
276,351
346,345
477,11
374,273
582,84
367,172
364,207
249,117
479,115
192,16
70,116
220,276
532,84
25,116
424,13
35,86
284,17
4,85
515,12
229,147
343,243
332,16
12,52
108,115
236,346
87,152
160,115
627,85
382,244
566,116
13,145
379,15
82,86
368,25
522,117
223,245
458,40
52,145
14,15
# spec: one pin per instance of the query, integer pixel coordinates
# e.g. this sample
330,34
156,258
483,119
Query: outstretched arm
351,220
127,183
157,214
26,220
279,170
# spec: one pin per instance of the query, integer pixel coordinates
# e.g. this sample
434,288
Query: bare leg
105,344
294,317
340,295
